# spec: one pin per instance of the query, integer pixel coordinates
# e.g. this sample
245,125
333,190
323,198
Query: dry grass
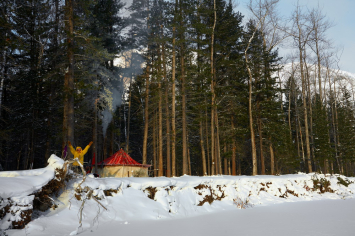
242,204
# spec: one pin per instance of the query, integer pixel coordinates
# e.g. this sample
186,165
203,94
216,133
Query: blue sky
340,12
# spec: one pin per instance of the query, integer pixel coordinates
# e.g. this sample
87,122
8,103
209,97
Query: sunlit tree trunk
234,167
272,157
146,117
167,120
203,155
213,146
68,121
173,128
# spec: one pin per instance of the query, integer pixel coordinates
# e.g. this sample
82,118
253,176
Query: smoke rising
127,66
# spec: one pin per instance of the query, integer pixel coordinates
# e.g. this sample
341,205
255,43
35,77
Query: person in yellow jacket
79,153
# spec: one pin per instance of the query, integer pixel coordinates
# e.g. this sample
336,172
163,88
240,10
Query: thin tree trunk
218,148
146,107
319,65
213,155
112,138
225,163
250,108
189,160
146,117
339,158
308,89
207,146
204,170
183,96
262,159
184,119
173,131
234,167
333,107
129,113
302,145
94,136
305,109
160,120
68,121
155,145
272,157
225,166
167,120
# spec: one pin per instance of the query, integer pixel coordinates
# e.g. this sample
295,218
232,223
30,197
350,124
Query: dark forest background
200,90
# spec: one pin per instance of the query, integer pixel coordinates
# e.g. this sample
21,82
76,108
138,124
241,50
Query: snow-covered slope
335,77
23,183
123,200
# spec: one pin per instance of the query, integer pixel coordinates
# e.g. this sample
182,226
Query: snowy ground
277,205
321,218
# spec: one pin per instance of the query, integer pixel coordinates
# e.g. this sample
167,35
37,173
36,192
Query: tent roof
121,158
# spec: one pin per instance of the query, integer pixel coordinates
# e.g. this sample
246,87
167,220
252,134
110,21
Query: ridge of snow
25,182
140,199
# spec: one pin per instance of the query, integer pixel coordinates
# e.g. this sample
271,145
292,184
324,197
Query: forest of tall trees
187,86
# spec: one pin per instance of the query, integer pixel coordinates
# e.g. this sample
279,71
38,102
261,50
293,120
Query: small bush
242,204
151,192
344,182
288,191
212,195
322,184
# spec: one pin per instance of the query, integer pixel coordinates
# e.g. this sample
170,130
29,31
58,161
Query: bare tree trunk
305,111
129,113
301,40
289,113
299,138
339,158
225,162
68,121
173,132
262,159
146,107
167,120
309,95
189,160
333,107
302,145
146,116
184,119
203,155
183,100
213,154
234,167
155,145
272,157
218,148
112,138
225,166
207,145
173,114
94,136
251,126
160,114
250,108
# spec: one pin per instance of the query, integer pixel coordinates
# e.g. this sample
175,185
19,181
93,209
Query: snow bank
127,199
166,198
25,182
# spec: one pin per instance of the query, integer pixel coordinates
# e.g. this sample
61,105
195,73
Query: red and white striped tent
121,164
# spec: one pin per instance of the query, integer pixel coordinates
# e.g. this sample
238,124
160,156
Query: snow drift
124,199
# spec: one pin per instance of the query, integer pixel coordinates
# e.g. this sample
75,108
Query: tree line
197,89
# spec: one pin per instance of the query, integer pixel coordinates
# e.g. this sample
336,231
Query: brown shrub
151,192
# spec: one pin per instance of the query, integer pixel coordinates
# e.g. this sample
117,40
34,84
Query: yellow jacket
79,153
